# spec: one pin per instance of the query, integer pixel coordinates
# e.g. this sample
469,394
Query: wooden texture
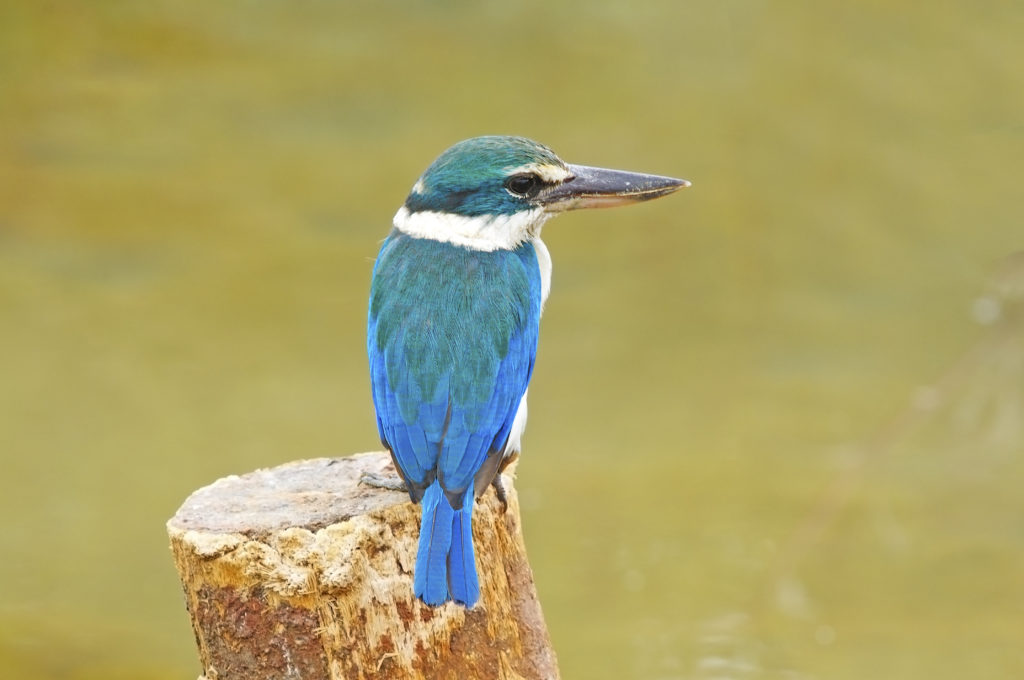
301,571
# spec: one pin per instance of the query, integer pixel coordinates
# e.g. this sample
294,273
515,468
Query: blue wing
452,338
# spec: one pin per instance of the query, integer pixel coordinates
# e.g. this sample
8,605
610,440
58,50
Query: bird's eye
523,185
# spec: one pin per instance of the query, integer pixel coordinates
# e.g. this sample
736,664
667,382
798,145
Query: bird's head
496,192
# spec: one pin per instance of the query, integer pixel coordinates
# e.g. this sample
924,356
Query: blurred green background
777,423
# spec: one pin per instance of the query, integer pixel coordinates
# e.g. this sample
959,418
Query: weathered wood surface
301,571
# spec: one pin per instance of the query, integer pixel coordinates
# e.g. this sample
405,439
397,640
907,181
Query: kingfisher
455,304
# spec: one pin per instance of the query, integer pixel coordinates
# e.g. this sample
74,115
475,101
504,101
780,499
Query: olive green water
777,422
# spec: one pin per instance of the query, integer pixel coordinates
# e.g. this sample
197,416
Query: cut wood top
311,494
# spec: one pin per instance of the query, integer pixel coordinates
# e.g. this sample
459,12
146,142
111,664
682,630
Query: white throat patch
485,232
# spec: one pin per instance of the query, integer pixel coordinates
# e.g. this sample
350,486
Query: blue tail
445,564
462,579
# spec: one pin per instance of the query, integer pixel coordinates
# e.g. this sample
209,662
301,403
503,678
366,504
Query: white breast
544,262
515,435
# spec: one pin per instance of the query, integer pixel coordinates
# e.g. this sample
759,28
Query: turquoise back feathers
450,324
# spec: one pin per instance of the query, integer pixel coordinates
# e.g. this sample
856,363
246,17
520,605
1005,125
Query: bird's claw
499,491
383,481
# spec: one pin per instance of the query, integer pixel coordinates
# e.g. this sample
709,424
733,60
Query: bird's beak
600,188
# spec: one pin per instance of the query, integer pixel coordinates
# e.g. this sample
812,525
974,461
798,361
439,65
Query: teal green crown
469,178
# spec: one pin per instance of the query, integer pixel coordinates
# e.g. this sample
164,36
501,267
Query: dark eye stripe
525,185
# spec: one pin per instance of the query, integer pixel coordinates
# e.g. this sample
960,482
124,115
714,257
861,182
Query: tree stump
301,571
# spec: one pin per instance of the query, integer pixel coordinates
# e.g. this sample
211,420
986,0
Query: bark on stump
301,571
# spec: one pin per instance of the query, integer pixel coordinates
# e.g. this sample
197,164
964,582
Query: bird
456,296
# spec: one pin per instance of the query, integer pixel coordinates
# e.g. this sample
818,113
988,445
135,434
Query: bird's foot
499,491
383,481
